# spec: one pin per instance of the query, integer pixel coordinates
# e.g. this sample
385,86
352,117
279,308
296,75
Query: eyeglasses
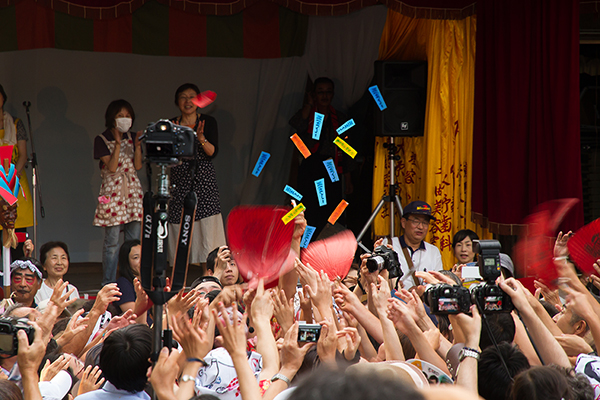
416,222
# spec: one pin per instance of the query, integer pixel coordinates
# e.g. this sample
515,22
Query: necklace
182,122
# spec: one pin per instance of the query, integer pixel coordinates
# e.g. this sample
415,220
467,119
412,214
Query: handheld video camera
167,143
9,343
385,258
489,298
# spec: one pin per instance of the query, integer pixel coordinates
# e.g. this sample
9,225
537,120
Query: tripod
391,198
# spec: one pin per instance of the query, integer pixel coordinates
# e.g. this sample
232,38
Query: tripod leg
371,218
398,204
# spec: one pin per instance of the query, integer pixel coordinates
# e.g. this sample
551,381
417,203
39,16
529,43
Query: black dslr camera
385,258
445,299
9,343
167,143
487,295
489,298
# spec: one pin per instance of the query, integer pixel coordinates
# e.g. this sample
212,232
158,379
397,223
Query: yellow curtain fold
436,167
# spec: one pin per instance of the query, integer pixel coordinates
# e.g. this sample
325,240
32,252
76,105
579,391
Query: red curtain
526,131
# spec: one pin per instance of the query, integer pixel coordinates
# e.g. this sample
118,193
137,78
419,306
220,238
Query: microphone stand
35,180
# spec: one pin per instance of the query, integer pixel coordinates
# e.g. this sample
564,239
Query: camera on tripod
489,298
168,143
385,258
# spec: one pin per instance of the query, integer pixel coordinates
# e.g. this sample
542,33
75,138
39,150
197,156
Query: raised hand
90,380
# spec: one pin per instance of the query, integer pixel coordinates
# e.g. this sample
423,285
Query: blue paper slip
320,186
292,192
347,125
260,164
318,125
378,97
330,167
307,235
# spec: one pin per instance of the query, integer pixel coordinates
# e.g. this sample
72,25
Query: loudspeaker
403,85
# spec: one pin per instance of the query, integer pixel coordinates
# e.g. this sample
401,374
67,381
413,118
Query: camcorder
9,343
385,258
168,143
453,299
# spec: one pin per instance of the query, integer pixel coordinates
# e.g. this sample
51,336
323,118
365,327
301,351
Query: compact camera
9,343
309,332
489,298
385,258
168,143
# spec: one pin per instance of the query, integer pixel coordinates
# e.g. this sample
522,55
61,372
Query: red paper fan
534,251
260,242
205,98
333,255
584,247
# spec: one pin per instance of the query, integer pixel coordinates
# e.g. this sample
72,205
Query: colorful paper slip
378,97
292,192
337,212
318,125
320,186
307,235
293,213
346,148
204,99
347,125
300,145
260,164
330,167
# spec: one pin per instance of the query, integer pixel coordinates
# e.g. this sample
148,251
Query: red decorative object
584,247
333,255
204,99
260,242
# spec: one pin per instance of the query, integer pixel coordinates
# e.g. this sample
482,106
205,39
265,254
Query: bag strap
411,266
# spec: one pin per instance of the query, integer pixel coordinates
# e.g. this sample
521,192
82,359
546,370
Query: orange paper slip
337,212
300,145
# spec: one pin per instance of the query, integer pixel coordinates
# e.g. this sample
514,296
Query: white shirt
46,291
425,258
109,392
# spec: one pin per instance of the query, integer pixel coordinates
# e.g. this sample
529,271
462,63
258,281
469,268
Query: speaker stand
391,198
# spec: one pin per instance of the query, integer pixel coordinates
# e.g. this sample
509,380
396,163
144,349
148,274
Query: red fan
584,247
205,98
260,242
333,255
534,251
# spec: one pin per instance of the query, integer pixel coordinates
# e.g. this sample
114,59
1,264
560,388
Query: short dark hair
462,234
325,384
541,382
502,327
46,247
206,278
124,357
211,259
494,382
183,88
581,389
113,109
9,389
323,79
125,269
3,93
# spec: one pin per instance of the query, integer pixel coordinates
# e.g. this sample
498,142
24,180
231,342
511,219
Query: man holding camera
413,252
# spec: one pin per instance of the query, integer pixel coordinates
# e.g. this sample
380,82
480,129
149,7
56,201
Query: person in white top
54,257
423,256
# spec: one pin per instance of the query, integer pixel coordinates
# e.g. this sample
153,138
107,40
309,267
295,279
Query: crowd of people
373,333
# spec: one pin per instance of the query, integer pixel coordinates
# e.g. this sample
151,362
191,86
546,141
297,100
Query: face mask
123,124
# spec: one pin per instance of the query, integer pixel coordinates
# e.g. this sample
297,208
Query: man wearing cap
413,252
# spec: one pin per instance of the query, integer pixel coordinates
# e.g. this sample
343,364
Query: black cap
418,207
205,278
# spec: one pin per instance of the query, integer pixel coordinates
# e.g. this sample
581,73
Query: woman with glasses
198,175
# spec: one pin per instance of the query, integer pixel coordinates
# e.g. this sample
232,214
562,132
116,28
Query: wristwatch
468,352
282,378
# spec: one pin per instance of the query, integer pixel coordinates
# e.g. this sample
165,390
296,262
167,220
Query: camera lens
375,263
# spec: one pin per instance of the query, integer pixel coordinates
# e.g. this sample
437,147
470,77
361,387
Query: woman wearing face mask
120,198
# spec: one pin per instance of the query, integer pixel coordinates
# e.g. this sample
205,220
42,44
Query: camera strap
186,229
411,266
